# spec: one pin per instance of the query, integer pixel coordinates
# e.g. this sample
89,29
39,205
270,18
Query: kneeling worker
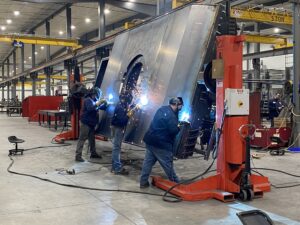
89,119
159,141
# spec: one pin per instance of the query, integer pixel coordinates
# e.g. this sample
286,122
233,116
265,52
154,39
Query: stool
16,141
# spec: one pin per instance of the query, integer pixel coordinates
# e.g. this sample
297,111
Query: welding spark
144,100
185,116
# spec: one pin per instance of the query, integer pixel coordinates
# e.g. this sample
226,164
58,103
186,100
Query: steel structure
262,15
169,68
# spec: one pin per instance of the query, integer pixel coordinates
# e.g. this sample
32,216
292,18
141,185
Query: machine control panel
237,101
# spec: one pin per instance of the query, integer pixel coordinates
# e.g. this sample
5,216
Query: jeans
118,134
165,159
86,132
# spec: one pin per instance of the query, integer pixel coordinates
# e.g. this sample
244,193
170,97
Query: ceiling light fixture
73,27
87,20
29,57
9,21
16,13
3,28
42,47
61,32
276,30
35,53
25,61
106,11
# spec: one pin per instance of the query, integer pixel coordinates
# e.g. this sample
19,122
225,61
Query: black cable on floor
279,171
273,185
76,186
48,146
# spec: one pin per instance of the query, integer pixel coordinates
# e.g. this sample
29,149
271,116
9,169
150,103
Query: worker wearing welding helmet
159,140
122,113
89,119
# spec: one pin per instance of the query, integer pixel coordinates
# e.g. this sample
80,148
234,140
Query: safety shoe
123,171
79,159
95,156
146,185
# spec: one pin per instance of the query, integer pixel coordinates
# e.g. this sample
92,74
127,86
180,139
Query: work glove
130,113
101,102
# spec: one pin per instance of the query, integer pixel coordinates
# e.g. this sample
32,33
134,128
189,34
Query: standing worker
275,107
159,141
119,122
89,119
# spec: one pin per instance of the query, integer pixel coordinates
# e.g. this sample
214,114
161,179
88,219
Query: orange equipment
228,183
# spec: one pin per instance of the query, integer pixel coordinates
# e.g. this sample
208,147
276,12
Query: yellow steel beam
177,3
262,15
26,39
56,77
266,39
283,46
29,83
129,25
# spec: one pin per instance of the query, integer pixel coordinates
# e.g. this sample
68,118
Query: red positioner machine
233,177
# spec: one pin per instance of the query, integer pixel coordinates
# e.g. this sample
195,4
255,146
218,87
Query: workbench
49,114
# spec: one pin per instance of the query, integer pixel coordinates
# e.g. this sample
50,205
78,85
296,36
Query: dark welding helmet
96,91
176,101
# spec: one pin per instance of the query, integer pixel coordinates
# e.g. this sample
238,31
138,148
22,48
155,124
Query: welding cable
76,186
276,186
278,171
48,146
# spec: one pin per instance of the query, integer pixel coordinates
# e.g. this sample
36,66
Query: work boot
123,171
95,156
79,159
146,185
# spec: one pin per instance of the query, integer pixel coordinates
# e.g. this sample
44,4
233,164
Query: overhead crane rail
265,15
37,40
266,39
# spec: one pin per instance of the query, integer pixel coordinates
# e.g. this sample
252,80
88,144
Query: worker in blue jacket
275,107
122,113
89,119
159,141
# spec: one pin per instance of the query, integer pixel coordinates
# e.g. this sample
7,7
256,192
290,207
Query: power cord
279,171
75,186
71,185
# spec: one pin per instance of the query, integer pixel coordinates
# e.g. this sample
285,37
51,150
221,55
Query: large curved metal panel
172,49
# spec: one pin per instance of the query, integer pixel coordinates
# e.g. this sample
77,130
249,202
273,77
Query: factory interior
149,112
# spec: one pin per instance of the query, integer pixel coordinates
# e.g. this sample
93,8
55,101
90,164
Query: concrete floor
28,201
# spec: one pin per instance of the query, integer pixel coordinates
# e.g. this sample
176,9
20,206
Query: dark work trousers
165,159
86,132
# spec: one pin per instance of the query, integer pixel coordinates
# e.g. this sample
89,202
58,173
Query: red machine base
210,188
69,135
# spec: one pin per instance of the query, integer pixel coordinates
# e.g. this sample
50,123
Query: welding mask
96,92
177,101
